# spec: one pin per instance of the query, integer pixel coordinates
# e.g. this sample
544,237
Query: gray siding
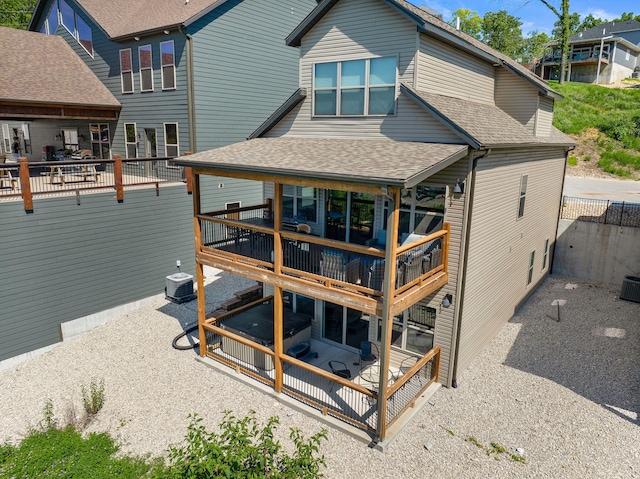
516,97
620,56
242,71
66,261
545,117
447,71
500,244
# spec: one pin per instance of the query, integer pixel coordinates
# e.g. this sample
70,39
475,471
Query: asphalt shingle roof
377,161
45,69
121,18
611,28
486,125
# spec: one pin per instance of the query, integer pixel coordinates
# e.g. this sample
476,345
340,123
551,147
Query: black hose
174,343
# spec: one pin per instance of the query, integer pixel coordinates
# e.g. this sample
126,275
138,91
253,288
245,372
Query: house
604,54
178,69
428,174
38,104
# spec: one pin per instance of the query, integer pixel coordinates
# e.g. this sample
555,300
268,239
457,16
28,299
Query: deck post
188,173
25,185
202,314
445,253
278,314
117,178
388,289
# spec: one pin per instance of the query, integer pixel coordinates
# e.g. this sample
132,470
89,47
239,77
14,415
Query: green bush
572,160
609,166
243,449
622,157
93,398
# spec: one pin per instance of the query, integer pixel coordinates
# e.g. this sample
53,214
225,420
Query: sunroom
350,244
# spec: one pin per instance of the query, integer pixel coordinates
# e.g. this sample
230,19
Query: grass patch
496,450
610,167
65,453
622,157
572,160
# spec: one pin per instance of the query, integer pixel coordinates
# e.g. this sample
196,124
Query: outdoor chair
366,353
336,266
340,369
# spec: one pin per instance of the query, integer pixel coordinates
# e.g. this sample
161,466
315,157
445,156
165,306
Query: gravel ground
565,394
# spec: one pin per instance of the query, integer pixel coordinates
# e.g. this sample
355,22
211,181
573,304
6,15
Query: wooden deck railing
30,179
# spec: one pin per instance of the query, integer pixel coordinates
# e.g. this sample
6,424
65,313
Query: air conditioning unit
180,287
631,289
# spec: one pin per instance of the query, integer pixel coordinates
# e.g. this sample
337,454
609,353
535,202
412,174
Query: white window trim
130,71
164,132
142,89
545,254
127,143
6,134
366,87
173,65
61,18
77,35
532,261
296,196
522,196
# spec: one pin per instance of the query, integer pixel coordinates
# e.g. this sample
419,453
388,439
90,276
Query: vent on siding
631,289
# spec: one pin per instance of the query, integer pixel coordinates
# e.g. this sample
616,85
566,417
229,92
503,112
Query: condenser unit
180,287
631,289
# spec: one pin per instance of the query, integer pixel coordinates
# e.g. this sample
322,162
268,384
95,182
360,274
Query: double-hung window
131,140
545,254
167,56
171,147
301,202
126,71
532,259
146,68
523,195
355,87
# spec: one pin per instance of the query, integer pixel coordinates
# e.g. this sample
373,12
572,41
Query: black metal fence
618,213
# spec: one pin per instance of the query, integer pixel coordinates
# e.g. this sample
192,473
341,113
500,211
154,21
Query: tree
565,18
589,22
502,32
16,13
534,45
574,26
470,22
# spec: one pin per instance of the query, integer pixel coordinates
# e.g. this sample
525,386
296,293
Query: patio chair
340,369
366,353
336,266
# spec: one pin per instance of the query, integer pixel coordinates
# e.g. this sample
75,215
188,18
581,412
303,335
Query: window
126,71
532,260
84,35
545,254
523,194
421,210
300,201
171,148
355,87
146,68
627,55
70,139
6,136
68,17
131,140
100,140
168,66
53,20
412,329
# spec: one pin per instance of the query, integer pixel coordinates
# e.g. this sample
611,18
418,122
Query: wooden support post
188,173
388,288
202,314
278,320
25,185
117,177
445,247
277,224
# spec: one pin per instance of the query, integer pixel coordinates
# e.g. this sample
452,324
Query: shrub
93,399
243,449
572,160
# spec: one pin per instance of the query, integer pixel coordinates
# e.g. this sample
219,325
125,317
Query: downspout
191,107
462,278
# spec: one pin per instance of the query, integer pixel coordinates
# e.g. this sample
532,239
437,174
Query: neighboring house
190,75
604,54
427,170
49,96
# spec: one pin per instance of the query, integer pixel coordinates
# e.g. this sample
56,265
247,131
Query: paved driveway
595,188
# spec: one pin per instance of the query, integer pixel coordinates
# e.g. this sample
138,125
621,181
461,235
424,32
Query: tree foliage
533,45
16,13
501,31
470,22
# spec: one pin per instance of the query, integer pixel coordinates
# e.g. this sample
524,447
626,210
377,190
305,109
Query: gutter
191,107
462,278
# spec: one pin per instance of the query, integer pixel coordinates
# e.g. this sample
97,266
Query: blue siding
242,68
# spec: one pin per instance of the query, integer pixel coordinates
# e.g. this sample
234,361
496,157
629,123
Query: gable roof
66,79
481,125
431,25
373,162
122,19
606,29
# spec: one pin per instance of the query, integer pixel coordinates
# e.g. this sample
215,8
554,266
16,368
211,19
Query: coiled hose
175,344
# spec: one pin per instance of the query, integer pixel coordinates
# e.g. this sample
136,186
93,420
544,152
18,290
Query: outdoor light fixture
166,32
446,302
459,187
137,39
58,137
